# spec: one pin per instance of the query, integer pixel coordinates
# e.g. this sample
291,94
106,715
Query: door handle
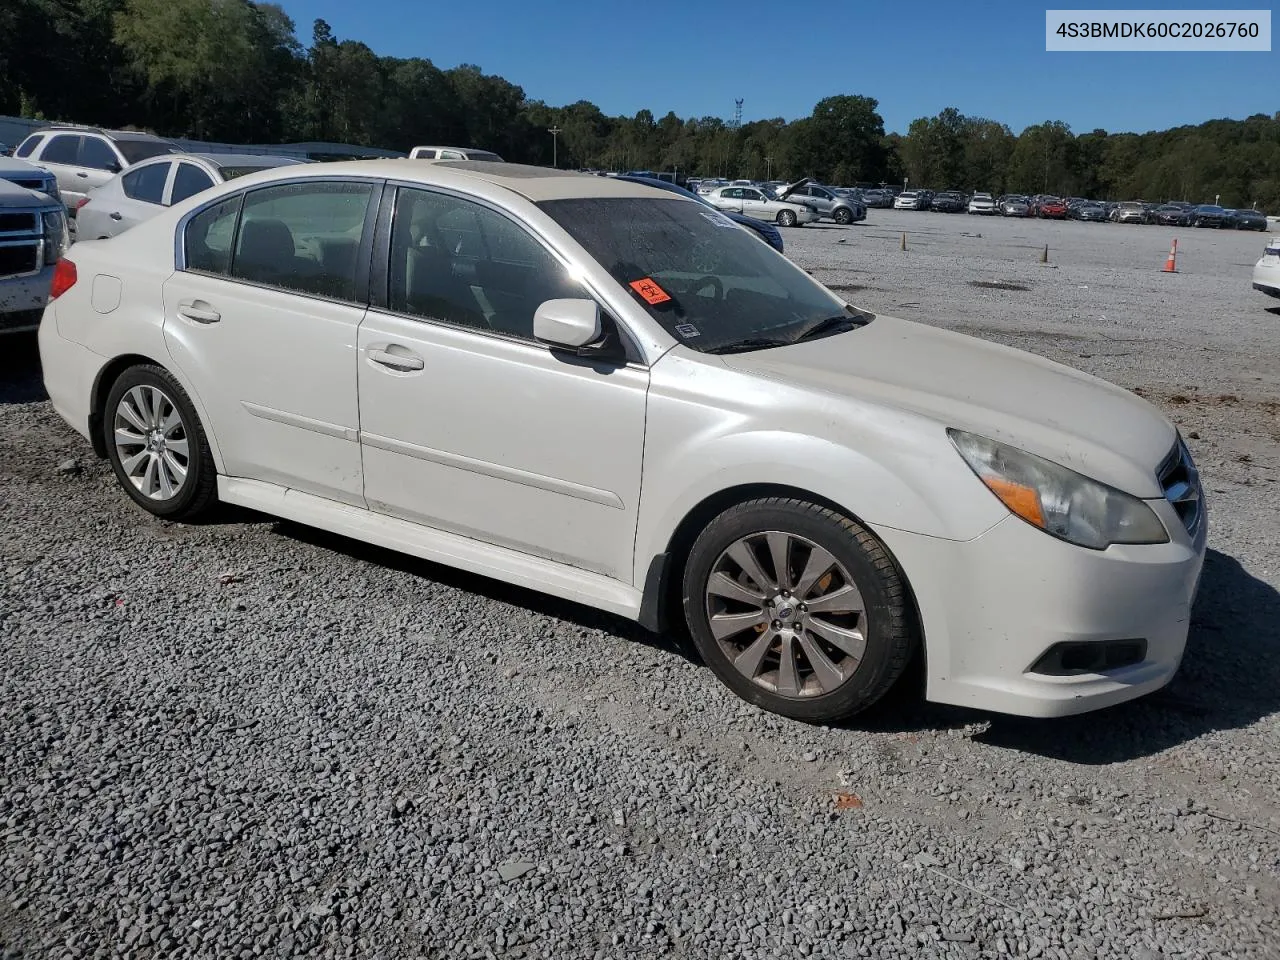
81,173
116,216
410,361
199,311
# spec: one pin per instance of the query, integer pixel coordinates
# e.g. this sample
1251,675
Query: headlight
56,236
1059,501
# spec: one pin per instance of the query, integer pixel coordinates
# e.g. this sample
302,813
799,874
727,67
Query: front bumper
21,299
992,606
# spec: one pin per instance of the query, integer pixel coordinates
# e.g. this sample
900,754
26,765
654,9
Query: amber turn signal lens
1022,500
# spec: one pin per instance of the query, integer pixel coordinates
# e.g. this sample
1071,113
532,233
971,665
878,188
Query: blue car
767,231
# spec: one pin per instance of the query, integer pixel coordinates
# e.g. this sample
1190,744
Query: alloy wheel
151,442
787,614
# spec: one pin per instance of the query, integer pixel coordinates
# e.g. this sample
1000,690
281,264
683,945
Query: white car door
468,424
755,205
262,318
60,155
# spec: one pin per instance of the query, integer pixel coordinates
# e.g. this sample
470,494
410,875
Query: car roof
532,183
241,159
102,131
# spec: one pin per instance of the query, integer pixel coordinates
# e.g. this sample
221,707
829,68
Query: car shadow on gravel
1229,679
531,600
20,377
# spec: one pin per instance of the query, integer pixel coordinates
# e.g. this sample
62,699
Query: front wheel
843,216
797,609
157,446
786,218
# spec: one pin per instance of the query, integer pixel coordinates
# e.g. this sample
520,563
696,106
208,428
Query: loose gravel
249,739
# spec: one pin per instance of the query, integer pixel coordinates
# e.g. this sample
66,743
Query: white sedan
146,188
754,202
1266,272
611,394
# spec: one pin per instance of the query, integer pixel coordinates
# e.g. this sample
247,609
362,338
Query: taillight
64,278
81,202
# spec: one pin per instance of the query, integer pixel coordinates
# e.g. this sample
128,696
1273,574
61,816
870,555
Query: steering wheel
708,281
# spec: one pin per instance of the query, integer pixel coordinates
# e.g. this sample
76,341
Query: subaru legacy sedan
613,394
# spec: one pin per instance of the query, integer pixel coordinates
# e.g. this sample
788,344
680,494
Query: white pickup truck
33,237
453,153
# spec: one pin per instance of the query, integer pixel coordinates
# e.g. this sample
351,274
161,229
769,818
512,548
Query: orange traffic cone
1171,264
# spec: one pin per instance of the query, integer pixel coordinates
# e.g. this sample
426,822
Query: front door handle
115,216
406,361
199,311
81,173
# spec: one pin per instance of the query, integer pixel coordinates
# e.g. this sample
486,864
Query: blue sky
986,59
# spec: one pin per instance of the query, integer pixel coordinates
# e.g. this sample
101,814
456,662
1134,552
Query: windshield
710,284
136,150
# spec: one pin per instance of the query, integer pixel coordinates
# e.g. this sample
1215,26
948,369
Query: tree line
235,71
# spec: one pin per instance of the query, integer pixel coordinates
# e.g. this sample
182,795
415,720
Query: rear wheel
786,218
157,446
797,609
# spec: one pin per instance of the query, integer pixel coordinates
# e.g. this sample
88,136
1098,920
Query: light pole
555,132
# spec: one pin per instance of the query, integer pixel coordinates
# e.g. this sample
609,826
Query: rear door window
303,237
63,148
95,153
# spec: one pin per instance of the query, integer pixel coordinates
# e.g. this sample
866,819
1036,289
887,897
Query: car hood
12,195
784,192
1045,408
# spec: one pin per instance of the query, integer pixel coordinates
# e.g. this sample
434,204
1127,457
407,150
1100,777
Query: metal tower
737,113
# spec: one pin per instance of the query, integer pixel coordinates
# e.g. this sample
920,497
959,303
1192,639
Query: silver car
148,187
1015,207
754,202
84,158
828,203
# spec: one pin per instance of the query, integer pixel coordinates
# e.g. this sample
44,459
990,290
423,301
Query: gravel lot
250,739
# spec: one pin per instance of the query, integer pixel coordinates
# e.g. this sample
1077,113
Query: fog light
1073,658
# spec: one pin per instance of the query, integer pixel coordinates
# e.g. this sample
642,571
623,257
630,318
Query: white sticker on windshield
687,330
718,219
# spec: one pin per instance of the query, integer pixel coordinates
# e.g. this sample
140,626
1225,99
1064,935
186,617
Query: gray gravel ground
248,739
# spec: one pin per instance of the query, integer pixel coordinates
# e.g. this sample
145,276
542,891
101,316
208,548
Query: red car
1051,207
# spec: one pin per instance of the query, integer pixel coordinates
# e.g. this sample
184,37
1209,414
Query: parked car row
1045,206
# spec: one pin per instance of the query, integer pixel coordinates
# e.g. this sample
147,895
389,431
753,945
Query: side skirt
500,563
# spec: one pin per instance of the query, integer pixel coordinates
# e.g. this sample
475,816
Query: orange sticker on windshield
652,293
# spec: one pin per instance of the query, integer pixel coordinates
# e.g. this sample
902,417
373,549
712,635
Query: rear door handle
199,311
407,361
116,216
81,173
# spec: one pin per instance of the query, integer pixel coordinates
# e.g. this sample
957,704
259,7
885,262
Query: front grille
19,258
1180,482
18,222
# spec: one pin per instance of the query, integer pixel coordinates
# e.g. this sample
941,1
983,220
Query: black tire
198,491
888,623
786,218
843,216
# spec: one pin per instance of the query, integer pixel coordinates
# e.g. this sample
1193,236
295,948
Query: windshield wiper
837,324
751,343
